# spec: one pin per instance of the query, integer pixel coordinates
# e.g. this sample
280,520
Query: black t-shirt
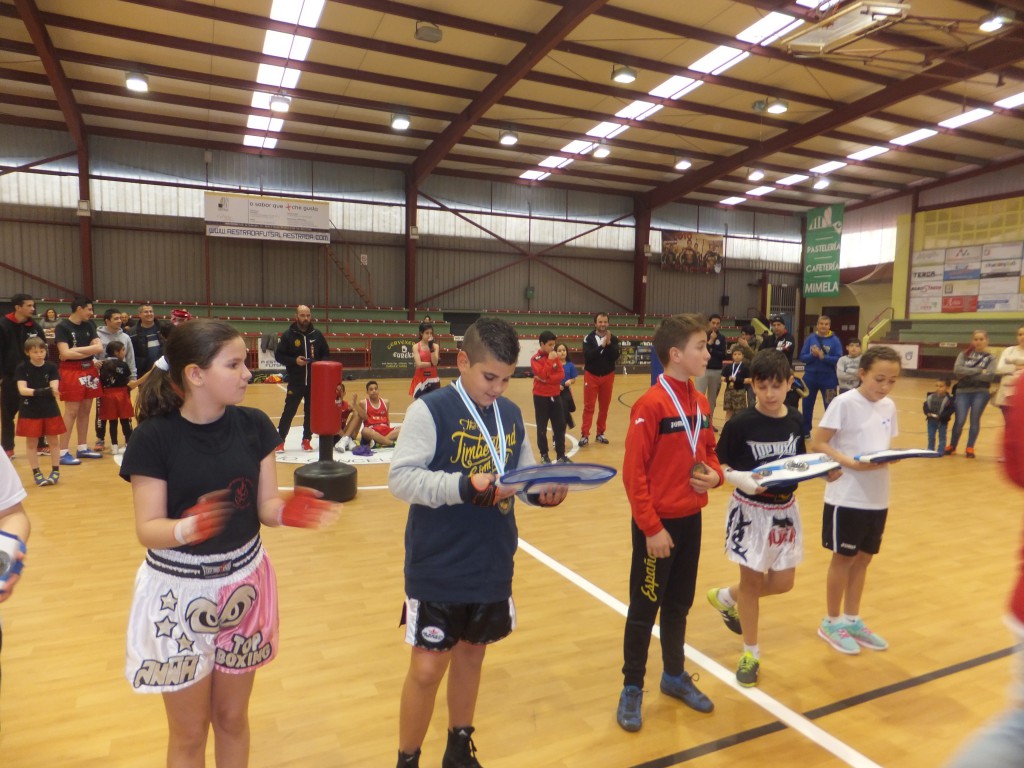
80,335
195,459
750,439
37,377
115,374
742,374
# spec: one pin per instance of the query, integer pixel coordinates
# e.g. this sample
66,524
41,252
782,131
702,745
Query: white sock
753,650
83,447
725,597
832,620
63,451
848,619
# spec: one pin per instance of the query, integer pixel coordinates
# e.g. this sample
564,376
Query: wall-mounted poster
692,252
975,278
963,263
959,303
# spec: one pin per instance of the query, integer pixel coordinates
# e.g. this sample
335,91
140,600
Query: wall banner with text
254,217
821,252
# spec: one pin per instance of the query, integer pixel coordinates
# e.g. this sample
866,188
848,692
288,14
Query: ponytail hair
196,342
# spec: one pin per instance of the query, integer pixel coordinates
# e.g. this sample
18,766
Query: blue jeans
936,428
974,402
1001,742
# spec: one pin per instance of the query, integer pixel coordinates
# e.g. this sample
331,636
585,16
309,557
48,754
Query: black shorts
848,530
439,626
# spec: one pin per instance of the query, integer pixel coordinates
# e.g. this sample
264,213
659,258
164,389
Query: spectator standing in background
146,340
112,330
600,351
820,355
16,328
974,369
848,366
781,339
300,346
711,382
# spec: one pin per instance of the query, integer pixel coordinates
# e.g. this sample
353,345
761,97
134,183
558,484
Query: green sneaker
865,637
837,636
746,672
730,616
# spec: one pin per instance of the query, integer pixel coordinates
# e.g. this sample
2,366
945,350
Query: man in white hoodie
108,332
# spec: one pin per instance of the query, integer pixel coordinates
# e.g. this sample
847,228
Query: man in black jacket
600,351
300,346
15,329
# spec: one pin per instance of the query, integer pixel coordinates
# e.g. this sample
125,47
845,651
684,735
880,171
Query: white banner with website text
255,217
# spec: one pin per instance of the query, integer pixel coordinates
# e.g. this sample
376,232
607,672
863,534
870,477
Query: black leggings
550,409
665,583
101,430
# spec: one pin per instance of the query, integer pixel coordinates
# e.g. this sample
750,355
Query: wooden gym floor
937,592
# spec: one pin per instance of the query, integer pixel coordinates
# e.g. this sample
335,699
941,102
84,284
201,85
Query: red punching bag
325,411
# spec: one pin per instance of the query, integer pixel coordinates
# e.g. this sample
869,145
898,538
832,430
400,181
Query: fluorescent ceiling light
821,183
868,153
280,103
757,192
136,82
965,118
508,137
733,200
910,138
756,174
682,164
400,121
832,165
1011,101
623,74
849,23
601,151
996,21
305,13
776,106
796,178
286,46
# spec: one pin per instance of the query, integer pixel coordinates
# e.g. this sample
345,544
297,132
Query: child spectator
38,413
346,439
461,535
848,366
862,420
376,420
547,398
571,374
736,375
938,409
116,402
763,532
669,467
797,391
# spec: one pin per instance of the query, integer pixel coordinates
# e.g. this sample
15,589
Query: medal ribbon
499,454
692,432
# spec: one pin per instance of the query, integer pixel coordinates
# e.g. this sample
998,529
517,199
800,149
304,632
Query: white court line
776,709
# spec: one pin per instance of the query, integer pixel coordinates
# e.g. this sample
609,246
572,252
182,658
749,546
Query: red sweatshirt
547,375
1013,452
658,458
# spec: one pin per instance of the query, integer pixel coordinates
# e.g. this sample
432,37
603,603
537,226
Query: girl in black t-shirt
203,475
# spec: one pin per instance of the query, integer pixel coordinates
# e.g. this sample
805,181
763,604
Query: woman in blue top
568,404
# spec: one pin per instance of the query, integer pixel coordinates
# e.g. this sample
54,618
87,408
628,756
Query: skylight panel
533,175
758,191
866,154
260,100
286,46
832,165
766,27
910,138
1011,101
965,118
733,200
550,162
673,85
796,178
723,54
634,110
731,63
602,130
303,12
577,146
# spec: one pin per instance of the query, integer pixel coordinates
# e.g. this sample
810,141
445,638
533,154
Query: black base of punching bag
336,480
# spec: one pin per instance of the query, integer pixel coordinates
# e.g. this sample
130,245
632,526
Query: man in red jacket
669,466
547,398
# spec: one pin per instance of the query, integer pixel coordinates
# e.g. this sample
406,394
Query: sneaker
564,460
865,637
43,448
10,453
837,636
40,479
950,450
362,450
461,751
279,449
602,439
682,688
969,453
99,446
408,761
54,477
306,445
68,460
85,453
114,450
746,672
628,714
545,459
731,616
583,441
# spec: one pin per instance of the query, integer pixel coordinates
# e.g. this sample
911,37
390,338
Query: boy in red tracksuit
669,466
547,398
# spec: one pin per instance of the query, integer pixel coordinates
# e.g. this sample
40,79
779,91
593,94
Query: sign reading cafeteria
968,278
821,251
255,217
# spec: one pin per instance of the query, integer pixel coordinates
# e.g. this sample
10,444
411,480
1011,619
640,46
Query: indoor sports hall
543,161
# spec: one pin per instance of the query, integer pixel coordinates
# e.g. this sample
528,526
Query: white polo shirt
861,426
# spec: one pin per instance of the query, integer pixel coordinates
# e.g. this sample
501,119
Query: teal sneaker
865,637
628,714
837,636
681,687
730,616
748,669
